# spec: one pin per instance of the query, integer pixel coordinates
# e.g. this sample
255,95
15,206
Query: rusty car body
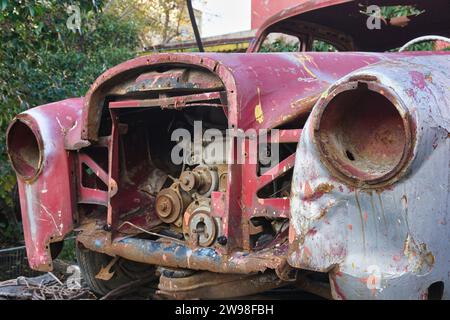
356,208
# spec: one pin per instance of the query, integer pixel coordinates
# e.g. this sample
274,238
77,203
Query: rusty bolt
222,240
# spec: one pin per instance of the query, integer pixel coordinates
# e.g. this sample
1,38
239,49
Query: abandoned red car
224,175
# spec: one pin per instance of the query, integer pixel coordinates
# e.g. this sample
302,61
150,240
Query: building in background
186,32
231,42
260,11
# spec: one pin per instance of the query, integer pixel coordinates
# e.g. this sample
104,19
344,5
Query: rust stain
418,255
292,234
306,103
324,188
363,232
307,190
319,191
307,252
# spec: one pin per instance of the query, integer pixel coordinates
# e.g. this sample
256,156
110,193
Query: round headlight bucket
363,133
24,149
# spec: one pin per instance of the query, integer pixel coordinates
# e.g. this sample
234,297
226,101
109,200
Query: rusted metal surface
230,204
364,191
175,102
367,142
47,201
178,254
207,285
245,77
252,74
276,207
89,195
175,79
384,238
320,289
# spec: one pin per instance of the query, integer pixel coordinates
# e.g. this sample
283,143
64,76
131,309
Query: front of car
370,191
232,174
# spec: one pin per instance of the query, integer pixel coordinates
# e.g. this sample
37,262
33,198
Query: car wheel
125,271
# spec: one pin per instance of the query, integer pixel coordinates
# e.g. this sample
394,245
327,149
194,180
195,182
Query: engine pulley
171,203
198,225
202,180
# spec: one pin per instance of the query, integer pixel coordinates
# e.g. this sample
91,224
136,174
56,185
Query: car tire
125,271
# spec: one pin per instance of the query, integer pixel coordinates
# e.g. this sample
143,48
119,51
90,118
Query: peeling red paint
350,162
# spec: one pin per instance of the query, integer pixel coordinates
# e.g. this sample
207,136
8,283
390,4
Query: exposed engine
186,203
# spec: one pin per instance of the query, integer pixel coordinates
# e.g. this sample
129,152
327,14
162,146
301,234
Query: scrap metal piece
179,255
105,272
209,285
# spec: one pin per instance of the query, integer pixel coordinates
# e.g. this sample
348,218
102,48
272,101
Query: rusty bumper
179,255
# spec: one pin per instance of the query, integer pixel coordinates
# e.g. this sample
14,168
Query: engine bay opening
170,157
159,164
166,152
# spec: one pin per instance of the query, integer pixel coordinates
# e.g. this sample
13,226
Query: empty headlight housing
24,149
363,133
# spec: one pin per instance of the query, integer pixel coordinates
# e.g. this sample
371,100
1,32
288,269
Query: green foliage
68,251
9,233
322,46
423,46
390,12
279,45
42,60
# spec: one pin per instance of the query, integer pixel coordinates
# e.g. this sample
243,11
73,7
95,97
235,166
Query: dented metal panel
280,84
369,197
389,240
262,92
47,202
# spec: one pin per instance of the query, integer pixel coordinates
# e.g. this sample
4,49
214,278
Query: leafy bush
42,61
279,45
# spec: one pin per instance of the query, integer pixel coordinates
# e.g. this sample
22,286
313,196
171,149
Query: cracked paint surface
399,230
